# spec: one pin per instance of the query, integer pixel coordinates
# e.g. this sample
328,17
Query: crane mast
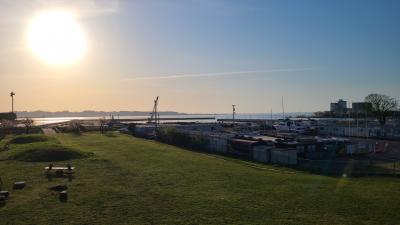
154,116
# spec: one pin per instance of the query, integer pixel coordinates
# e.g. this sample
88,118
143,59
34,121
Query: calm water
50,120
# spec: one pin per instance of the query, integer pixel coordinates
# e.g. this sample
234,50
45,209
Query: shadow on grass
76,134
112,135
28,138
346,168
335,167
51,176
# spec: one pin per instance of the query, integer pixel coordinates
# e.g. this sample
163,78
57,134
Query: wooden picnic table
58,168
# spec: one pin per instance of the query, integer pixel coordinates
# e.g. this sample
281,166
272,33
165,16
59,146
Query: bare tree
28,124
102,123
75,126
381,106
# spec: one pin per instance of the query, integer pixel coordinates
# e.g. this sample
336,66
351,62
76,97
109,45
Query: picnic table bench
60,169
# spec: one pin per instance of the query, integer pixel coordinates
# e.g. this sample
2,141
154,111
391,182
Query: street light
12,101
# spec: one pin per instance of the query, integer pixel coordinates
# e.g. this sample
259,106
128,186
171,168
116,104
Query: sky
202,56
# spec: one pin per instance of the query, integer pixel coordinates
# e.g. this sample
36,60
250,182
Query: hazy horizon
200,56
149,111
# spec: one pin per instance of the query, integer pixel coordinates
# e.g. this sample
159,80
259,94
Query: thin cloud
194,75
12,11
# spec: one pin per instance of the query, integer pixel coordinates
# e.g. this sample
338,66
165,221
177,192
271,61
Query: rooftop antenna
12,101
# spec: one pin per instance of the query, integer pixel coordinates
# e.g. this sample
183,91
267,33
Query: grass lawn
126,180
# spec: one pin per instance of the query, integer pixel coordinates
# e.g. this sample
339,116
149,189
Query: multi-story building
360,107
339,107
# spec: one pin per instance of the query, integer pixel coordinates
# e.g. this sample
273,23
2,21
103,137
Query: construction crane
154,116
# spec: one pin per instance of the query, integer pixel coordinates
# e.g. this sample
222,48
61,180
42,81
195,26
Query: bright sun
56,37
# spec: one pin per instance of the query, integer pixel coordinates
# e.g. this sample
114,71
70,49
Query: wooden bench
60,169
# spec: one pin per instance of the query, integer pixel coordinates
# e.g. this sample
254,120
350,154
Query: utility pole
349,122
158,119
12,101
233,113
357,134
366,125
271,115
283,109
155,113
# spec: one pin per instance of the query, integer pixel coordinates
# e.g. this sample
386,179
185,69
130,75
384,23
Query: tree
381,106
28,124
102,123
75,126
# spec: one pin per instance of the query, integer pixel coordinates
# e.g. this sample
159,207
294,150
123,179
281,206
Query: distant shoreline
90,113
47,114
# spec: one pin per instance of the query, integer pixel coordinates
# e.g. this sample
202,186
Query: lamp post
12,101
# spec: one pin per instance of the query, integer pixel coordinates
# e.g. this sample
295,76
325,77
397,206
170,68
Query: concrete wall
261,153
217,144
284,156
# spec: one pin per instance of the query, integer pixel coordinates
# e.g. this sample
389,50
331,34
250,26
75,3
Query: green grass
136,181
38,148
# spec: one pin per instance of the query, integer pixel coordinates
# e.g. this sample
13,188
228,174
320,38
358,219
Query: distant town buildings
339,107
360,107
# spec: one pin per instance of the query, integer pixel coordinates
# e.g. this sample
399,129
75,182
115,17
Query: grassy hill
127,180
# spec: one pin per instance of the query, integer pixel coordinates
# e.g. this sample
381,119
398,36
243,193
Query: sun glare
56,37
